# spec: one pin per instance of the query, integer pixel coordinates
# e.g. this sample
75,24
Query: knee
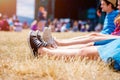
83,52
93,34
91,38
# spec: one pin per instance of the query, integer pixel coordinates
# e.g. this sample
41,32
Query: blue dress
109,48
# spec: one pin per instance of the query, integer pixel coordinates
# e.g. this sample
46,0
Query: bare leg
79,41
76,46
91,38
90,52
86,36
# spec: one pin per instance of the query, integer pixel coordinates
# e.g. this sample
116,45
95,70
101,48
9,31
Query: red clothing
116,31
1,24
4,25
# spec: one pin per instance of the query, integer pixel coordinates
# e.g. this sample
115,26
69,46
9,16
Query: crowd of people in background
66,24
56,25
12,23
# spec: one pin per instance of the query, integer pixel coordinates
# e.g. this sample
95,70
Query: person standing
42,17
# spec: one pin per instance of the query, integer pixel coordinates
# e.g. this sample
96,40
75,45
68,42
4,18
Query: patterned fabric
116,31
117,23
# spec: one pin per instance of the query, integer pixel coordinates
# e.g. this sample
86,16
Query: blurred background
69,10
74,9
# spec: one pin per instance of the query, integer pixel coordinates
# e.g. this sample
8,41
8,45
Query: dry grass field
17,62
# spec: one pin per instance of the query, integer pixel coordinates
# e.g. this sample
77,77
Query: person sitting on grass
107,6
97,49
108,50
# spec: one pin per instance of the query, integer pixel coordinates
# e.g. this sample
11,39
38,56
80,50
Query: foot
34,43
47,37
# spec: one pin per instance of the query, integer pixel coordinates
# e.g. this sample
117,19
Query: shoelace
44,44
37,42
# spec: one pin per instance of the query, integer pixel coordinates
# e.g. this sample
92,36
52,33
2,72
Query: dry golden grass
17,62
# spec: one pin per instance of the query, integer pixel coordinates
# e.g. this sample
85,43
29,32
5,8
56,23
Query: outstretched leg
92,37
38,46
89,52
35,42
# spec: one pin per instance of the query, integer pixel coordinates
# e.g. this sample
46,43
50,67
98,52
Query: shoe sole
47,35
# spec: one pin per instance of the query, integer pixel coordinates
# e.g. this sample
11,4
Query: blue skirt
109,48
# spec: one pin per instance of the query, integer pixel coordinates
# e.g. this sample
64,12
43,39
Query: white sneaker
47,37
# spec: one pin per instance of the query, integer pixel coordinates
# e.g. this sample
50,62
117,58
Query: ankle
40,50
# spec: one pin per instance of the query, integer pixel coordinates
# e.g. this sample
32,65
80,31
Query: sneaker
47,37
40,38
34,43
